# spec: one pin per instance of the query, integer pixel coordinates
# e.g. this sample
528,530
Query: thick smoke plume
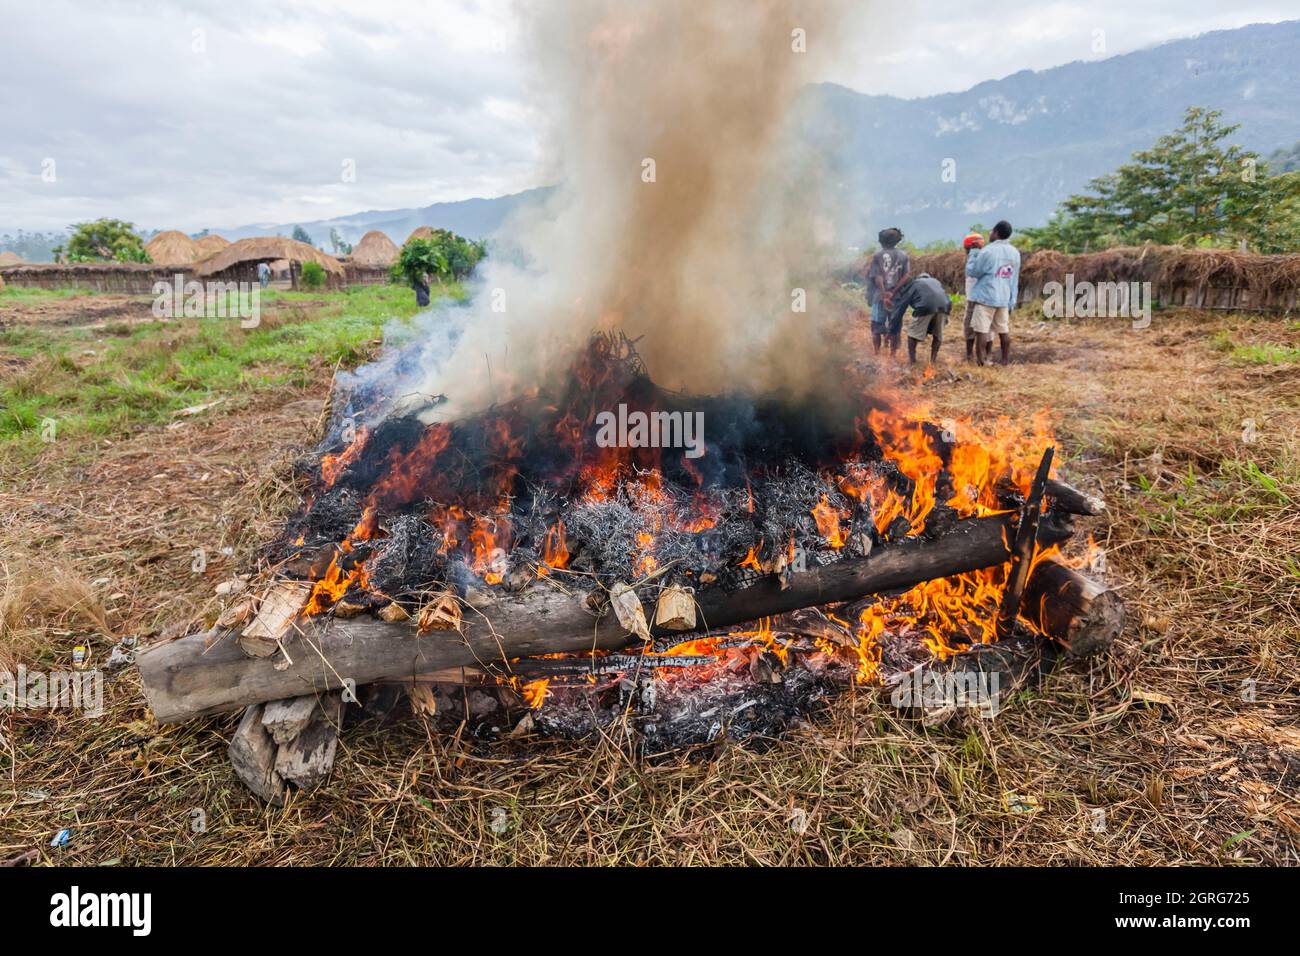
687,215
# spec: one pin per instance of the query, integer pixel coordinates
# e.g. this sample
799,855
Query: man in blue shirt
996,271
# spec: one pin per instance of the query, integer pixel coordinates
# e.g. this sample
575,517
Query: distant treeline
33,246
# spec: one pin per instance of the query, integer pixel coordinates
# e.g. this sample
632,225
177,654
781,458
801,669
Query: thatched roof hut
374,249
10,259
211,243
266,249
423,232
172,248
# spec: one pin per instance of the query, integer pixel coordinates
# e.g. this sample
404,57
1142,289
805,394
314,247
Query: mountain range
1013,148
1010,148
1021,144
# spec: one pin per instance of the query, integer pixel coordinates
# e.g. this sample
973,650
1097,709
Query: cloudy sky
208,113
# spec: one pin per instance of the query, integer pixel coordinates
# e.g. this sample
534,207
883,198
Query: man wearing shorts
972,244
930,306
888,271
996,271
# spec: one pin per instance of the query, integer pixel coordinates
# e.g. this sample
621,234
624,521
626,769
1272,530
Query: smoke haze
687,218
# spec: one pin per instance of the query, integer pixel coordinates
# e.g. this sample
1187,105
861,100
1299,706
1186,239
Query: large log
1074,610
192,677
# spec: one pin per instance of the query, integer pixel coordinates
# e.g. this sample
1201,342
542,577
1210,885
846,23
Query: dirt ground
1186,737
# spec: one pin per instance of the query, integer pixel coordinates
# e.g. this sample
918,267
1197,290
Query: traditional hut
172,248
375,250
10,259
211,243
423,232
238,261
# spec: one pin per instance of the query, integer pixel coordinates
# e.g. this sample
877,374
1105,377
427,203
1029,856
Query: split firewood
347,609
306,760
393,612
627,608
275,616
440,614
236,615
252,754
675,610
285,719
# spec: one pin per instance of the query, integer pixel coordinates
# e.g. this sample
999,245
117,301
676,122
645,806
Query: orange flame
332,466
828,523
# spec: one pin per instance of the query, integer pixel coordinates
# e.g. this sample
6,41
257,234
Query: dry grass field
1187,736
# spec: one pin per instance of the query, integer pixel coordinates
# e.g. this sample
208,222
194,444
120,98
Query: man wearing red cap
996,270
971,243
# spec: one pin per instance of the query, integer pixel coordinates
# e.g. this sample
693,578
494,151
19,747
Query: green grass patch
1254,353
140,374
12,296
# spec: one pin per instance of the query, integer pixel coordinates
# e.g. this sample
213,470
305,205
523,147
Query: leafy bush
444,256
313,275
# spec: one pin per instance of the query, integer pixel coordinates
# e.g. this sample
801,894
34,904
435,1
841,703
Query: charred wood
185,678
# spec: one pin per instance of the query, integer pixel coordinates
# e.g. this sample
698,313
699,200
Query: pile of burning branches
579,556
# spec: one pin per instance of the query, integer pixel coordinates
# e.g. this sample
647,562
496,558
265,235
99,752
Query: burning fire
912,465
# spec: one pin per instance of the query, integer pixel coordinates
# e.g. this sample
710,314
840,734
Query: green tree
1190,188
103,240
340,247
301,235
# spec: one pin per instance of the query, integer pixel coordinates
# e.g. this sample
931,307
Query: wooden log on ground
187,678
1074,610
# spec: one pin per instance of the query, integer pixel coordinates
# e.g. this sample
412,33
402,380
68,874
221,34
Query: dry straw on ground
1161,737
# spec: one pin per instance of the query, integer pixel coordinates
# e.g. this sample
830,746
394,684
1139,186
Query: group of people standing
992,288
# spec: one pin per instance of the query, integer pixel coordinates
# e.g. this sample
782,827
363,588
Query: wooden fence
128,278
131,278
1196,278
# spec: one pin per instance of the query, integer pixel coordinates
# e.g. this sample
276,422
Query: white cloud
250,119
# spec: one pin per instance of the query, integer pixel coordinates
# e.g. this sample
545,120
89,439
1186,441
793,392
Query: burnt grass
99,543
